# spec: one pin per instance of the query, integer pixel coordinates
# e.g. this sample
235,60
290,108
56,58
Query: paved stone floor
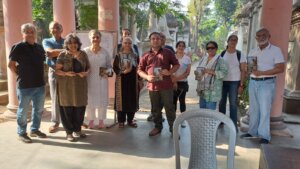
116,148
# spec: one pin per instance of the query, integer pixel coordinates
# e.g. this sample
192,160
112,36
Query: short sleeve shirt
30,64
267,58
184,62
233,65
163,59
51,43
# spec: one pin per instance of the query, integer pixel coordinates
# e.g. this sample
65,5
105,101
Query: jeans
165,97
207,105
180,94
261,94
25,96
230,88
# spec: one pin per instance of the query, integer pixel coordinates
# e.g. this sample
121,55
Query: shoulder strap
223,53
238,53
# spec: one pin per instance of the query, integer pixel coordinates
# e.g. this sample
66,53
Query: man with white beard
262,85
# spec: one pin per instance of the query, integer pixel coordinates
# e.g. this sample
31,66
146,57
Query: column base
291,105
11,112
277,126
244,123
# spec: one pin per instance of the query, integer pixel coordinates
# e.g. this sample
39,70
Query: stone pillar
64,13
108,20
3,66
279,29
291,95
15,13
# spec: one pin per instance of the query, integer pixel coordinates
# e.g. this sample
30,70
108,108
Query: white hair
28,26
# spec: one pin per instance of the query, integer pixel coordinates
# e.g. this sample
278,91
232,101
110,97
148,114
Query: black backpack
238,53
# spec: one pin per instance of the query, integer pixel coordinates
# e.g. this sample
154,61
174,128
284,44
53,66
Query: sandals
121,125
91,124
101,124
132,124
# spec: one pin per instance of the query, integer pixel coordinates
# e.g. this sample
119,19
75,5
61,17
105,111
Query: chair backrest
203,125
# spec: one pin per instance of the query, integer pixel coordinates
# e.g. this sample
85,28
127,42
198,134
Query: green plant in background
244,99
42,14
87,14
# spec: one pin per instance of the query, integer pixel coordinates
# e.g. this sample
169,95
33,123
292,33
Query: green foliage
207,31
88,17
42,14
244,99
225,10
221,36
141,9
86,14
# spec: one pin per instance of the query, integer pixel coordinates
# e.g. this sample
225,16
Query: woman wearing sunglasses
209,74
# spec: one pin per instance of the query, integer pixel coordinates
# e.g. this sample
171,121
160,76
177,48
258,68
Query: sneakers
70,138
38,134
246,136
264,141
24,138
79,134
150,118
154,132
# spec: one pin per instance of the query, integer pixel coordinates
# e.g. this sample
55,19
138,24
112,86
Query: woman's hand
82,74
70,73
174,79
175,86
209,71
240,90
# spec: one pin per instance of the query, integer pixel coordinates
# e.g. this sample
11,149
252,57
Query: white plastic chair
203,125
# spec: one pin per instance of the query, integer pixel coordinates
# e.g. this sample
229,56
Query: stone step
3,85
4,97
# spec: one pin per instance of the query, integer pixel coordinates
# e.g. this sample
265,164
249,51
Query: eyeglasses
210,48
95,37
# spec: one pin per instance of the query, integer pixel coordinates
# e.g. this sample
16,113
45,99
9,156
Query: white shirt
233,65
184,62
267,58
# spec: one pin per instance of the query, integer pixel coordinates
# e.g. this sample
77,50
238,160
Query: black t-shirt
30,64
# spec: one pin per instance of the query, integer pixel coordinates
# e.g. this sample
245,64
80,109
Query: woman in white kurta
97,85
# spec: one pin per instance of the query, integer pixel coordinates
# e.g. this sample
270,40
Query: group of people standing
221,76
78,80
